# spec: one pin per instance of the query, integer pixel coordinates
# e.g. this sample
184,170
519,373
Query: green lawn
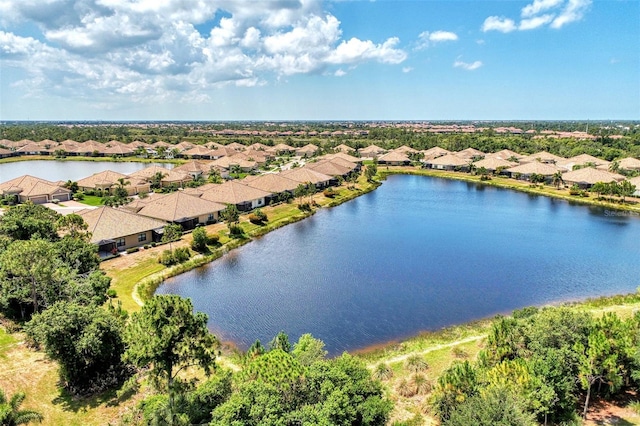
91,200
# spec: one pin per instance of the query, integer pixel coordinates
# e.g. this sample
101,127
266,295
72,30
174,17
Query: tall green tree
168,337
12,415
31,274
87,342
28,220
308,350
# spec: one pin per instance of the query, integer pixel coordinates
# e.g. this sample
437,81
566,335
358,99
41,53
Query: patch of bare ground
613,412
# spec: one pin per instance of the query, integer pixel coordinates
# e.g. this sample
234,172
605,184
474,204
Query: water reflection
424,254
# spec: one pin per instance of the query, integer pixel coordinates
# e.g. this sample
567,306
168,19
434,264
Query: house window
120,242
142,237
211,218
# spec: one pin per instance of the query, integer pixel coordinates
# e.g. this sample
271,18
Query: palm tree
10,413
156,180
614,167
557,180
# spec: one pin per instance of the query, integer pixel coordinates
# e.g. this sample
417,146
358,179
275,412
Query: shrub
78,196
153,244
167,258
133,250
112,293
329,193
258,217
213,239
181,254
305,207
382,372
200,239
236,231
416,364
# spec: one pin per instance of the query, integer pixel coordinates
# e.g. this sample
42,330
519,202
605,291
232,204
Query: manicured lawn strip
91,200
124,280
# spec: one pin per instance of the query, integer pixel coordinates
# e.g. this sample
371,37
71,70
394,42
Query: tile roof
107,223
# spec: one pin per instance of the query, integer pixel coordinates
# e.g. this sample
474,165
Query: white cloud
540,13
539,6
467,66
407,69
574,11
151,50
426,38
340,73
533,23
497,23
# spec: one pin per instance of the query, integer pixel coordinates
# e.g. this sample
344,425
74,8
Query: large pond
417,254
67,170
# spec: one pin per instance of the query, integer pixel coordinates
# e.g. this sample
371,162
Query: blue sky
319,60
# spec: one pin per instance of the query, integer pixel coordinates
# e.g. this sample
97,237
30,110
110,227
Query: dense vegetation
604,146
543,365
50,284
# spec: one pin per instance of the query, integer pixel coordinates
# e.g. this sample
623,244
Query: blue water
416,254
53,170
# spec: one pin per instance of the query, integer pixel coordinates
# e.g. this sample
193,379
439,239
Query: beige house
38,191
372,151
394,158
447,162
304,175
636,181
273,183
505,154
470,154
588,176
629,163
582,160
183,209
493,163
433,153
542,157
308,150
524,171
108,180
244,197
344,148
120,229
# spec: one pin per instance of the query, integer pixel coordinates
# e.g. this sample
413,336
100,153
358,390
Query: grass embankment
514,184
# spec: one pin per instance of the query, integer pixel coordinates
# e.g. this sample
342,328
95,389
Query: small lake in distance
53,170
418,253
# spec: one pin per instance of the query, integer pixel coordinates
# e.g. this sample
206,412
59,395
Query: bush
236,231
167,258
213,239
200,239
133,250
153,244
181,254
329,193
78,196
305,207
112,293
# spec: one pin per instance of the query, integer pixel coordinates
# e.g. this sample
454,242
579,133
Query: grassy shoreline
148,277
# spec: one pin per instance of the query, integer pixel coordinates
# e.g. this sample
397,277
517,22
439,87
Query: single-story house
582,160
394,158
244,197
36,190
332,168
120,229
493,163
372,151
629,163
433,153
308,150
304,175
542,157
524,171
183,209
636,181
344,148
470,154
505,154
108,180
588,176
447,162
273,183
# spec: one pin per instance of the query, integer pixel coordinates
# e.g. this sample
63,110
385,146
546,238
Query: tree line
51,286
